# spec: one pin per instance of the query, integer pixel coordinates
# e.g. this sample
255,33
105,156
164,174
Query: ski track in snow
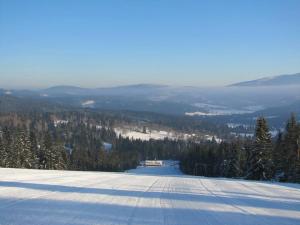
156,196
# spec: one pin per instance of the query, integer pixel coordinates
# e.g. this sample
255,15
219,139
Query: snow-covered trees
20,150
6,148
256,159
34,149
278,155
15,150
79,146
2,154
52,156
261,163
234,161
23,157
287,152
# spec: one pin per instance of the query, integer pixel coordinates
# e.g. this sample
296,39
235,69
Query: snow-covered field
159,135
155,135
158,195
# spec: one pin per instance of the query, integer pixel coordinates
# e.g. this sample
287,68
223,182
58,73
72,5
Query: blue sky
114,42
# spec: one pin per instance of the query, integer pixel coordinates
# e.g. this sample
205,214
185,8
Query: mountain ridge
279,80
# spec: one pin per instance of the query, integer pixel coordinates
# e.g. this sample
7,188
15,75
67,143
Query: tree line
34,141
75,142
258,158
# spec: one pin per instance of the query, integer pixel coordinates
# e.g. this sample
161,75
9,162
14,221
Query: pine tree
3,154
234,161
297,175
34,149
59,157
291,148
23,156
45,153
51,155
8,158
279,156
261,164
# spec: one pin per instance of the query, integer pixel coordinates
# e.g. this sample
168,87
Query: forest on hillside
42,140
257,158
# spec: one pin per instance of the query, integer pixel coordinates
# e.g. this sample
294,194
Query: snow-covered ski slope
142,196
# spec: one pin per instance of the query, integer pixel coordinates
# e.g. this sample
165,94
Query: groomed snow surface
158,195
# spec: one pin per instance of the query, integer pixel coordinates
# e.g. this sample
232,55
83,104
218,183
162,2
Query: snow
146,195
154,134
8,92
214,110
107,146
241,134
220,110
88,103
159,135
60,122
235,125
200,114
210,138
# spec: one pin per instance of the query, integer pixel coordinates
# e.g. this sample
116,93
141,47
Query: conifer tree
59,157
45,153
34,149
297,175
8,157
3,154
279,157
291,148
23,155
234,161
261,164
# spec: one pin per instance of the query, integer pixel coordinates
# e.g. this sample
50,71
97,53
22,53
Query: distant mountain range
153,91
117,90
150,89
290,79
279,95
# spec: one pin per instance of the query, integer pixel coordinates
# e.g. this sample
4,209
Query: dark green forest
258,158
33,140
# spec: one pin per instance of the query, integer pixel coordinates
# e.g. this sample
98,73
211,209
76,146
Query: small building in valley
153,163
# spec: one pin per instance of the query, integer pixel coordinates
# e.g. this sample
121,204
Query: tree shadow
57,212
238,198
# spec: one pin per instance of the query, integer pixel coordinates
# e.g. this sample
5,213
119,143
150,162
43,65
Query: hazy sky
114,42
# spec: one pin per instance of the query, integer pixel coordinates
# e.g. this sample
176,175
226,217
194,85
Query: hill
291,79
